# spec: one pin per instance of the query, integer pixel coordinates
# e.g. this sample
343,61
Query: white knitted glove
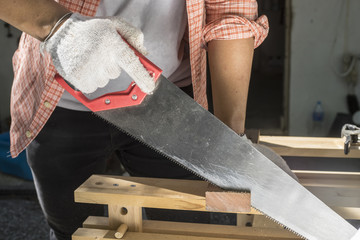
88,52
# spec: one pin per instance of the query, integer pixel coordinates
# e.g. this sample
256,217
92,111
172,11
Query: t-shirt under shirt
163,24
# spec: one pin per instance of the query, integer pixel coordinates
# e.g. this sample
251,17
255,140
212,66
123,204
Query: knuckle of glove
80,51
145,82
132,65
147,87
133,35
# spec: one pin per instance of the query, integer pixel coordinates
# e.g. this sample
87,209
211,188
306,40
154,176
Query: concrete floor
21,218
20,214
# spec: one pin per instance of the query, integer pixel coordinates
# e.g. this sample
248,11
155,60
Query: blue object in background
14,166
318,113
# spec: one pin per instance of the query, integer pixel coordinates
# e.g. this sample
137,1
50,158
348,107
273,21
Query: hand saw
174,125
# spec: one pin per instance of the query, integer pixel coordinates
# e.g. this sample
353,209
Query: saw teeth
200,177
282,225
159,152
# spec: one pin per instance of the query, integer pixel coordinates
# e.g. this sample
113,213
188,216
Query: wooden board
328,178
339,190
228,202
100,234
211,230
309,146
145,192
96,222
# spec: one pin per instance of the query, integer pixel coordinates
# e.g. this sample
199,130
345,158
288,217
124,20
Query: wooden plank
92,234
328,179
212,230
100,234
228,202
338,190
96,222
309,146
330,187
339,198
348,212
145,192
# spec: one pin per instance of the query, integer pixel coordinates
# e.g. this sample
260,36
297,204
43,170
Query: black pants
70,148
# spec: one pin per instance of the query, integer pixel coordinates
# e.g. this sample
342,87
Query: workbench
125,197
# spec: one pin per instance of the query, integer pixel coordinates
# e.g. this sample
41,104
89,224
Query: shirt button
47,104
28,134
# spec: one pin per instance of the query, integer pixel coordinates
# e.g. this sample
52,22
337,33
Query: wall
265,106
316,24
7,48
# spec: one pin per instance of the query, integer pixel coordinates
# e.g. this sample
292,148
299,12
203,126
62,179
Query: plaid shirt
35,94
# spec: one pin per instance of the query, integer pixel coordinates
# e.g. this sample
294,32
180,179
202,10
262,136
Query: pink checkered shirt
35,94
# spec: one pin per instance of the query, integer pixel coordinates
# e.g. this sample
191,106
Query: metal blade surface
175,125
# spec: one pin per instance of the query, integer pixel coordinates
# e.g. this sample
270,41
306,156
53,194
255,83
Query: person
65,143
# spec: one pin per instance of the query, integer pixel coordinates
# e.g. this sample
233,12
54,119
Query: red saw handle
129,97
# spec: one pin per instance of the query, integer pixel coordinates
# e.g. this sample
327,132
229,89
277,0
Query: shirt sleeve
234,19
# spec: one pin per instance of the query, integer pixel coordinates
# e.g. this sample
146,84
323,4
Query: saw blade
173,124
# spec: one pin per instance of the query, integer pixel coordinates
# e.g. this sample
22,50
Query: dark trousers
70,148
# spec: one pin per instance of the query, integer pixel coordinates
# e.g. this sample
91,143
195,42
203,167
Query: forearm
230,66
35,17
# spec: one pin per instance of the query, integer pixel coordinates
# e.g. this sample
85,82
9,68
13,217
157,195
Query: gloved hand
88,52
274,157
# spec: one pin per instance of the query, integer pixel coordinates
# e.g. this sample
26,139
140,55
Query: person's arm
35,17
73,40
230,66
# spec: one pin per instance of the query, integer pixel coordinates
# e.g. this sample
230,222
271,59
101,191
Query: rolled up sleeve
234,19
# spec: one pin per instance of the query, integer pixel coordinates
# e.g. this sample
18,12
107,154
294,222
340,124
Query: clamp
351,134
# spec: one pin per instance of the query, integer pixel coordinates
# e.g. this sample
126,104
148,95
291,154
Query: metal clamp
351,134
